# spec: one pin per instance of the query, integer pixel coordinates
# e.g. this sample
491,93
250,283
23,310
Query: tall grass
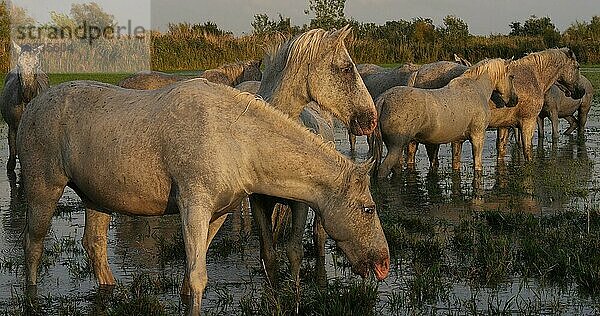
192,51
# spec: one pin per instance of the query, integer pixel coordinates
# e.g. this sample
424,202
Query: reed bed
192,51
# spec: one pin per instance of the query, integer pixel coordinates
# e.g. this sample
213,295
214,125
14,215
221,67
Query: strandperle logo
87,37
85,31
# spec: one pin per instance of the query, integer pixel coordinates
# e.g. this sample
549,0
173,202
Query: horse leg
540,127
456,155
527,130
370,142
352,140
319,238
95,242
12,149
554,120
432,154
477,140
411,153
41,198
295,249
213,228
393,161
195,222
262,209
501,141
573,124
582,116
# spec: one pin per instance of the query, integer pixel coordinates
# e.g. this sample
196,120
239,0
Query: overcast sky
482,16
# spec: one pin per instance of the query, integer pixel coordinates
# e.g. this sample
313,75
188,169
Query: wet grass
484,252
338,298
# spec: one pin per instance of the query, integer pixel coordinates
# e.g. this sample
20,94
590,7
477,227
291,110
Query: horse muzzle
382,268
363,124
574,91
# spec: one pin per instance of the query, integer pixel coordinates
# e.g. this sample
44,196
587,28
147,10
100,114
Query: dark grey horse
22,84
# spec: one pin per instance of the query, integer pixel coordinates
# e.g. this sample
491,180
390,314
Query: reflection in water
557,177
13,220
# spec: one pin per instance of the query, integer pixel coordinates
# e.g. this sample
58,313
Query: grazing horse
314,66
455,112
194,148
229,75
427,76
233,74
534,74
558,105
21,85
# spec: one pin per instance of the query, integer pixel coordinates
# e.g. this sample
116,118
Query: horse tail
377,138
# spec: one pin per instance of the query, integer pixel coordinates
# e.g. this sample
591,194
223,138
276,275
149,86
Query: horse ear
345,31
338,36
569,53
16,47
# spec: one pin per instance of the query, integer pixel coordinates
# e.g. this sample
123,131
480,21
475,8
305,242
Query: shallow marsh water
438,226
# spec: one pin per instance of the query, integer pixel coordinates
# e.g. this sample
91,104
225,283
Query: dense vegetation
198,46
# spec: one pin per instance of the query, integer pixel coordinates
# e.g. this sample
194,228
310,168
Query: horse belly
122,196
446,131
130,184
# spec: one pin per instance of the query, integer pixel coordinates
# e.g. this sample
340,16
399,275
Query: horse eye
369,209
347,69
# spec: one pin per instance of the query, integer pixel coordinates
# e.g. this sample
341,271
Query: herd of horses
167,144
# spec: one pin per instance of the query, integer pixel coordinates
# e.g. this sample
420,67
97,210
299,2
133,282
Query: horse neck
292,173
286,90
483,82
503,117
546,71
487,84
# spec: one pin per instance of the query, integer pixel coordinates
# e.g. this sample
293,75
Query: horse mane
548,55
298,50
496,68
252,100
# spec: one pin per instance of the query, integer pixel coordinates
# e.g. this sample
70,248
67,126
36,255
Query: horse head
569,73
28,66
350,218
335,84
252,71
504,90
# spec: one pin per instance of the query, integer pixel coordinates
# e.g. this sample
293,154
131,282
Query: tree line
187,46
